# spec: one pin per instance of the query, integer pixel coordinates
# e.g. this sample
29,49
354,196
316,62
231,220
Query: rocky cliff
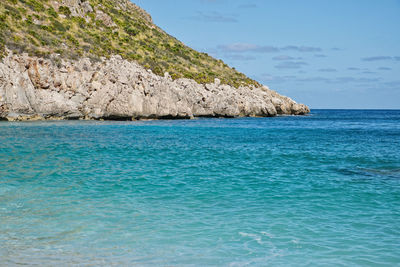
115,88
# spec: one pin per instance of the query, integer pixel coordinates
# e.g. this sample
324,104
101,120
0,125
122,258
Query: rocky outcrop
78,8
37,88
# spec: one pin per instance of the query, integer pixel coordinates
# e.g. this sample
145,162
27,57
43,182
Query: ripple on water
316,190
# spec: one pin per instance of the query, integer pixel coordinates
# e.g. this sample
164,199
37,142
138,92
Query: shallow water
318,190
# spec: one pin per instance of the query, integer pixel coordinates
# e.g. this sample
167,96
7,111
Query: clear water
300,191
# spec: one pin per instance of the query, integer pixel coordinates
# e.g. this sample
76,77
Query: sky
324,53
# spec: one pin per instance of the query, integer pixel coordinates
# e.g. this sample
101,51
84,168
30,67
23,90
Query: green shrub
158,70
13,12
81,22
133,56
65,11
72,40
29,20
33,5
55,42
131,31
175,75
58,26
92,16
2,49
188,75
52,12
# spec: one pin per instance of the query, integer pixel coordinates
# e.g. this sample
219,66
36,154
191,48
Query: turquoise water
300,191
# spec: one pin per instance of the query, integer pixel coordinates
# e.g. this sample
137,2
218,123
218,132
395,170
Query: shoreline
36,117
32,118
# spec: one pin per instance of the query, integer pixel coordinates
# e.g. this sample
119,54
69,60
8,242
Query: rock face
37,88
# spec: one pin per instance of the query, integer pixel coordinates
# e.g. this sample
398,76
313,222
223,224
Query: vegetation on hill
101,28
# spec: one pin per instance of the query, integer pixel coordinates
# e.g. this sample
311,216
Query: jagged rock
37,88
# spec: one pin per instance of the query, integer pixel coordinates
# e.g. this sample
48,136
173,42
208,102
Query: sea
316,190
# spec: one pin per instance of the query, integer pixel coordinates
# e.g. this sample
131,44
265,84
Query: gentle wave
317,190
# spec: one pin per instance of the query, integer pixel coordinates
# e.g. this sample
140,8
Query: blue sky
324,53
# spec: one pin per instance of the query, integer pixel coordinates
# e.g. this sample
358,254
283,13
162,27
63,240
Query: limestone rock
37,88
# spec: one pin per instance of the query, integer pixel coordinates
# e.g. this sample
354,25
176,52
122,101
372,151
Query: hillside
103,59
102,28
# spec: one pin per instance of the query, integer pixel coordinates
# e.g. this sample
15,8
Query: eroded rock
38,88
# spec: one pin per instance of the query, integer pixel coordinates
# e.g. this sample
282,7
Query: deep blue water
319,190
